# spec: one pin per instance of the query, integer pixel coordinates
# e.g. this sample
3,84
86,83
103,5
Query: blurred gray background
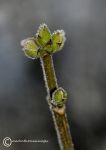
80,69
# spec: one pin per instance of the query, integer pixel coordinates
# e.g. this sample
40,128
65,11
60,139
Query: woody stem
59,115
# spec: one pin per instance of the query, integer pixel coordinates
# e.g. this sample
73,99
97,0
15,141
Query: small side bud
59,97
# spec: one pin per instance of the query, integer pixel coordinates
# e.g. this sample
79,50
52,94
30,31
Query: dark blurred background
80,69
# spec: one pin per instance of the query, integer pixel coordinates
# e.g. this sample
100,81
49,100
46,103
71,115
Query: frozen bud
43,42
58,39
59,97
30,48
43,35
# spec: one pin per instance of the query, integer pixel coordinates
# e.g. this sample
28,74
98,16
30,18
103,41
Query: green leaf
58,39
43,35
30,48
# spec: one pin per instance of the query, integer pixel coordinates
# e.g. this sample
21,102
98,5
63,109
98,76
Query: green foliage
44,42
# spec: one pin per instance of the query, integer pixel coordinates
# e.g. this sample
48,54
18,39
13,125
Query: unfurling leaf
43,35
30,48
58,39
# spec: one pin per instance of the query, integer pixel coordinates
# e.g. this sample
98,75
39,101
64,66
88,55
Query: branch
58,114
42,46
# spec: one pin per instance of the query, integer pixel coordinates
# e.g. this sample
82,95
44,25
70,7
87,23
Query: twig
59,114
42,46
